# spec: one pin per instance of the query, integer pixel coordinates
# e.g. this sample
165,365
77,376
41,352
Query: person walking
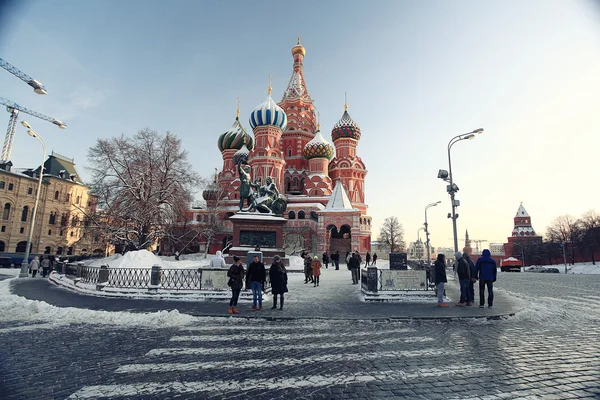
257,275
326,260
368,258
34,266
473,273
308,269
336,260
316,270
440,279
218,261
486,271
359,258
464,278
279,278
374,258
354,266
45,266
236,282
348,255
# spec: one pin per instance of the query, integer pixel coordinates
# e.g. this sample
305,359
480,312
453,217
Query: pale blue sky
416,73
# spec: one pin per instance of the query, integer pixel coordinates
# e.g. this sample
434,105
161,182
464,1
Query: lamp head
443,174
31,133
470,136
478,131
26,124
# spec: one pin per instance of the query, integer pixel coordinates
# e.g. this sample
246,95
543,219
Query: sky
416,75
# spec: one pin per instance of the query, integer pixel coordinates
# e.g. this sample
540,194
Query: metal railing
143,278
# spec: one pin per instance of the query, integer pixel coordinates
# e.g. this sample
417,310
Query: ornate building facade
324,183
523,234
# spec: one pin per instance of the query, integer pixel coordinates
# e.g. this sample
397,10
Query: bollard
78,273
64,268
102,277
372,285
155,276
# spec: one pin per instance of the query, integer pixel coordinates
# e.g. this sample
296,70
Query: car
6,262
551,270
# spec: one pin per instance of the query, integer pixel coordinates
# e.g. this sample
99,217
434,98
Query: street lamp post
25,263
419,241
452,188
522,254
427,231
564,255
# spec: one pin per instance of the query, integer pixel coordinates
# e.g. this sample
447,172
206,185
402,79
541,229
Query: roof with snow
339,200
521,212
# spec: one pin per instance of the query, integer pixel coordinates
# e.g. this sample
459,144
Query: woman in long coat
316,268
278,277
236,282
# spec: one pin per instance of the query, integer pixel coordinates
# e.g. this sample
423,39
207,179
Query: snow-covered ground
146,259
578,268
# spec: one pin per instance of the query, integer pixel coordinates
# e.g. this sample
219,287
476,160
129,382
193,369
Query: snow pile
146,259
581,268
511,259
296,262
16,308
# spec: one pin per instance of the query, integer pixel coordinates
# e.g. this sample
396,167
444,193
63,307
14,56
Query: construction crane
478,241
13,108
37,86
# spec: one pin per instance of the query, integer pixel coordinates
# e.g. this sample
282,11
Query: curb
358,319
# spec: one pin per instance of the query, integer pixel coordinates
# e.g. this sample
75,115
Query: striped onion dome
318,147
241,155
345,128
234,137
268,113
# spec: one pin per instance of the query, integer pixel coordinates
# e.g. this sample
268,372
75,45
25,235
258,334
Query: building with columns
323,181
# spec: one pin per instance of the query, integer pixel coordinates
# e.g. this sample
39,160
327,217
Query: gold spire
215,176
270,88
345,102
298,48
237,112
318,121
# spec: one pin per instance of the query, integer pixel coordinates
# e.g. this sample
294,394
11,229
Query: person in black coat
368,258
279,278
336,259
354,266
326,259
440,278
471,291
256,276
236,282
464,277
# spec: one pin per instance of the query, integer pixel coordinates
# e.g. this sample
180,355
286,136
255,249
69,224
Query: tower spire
237,112
270,82
345,102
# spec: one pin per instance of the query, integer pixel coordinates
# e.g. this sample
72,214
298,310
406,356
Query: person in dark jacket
440,279
374,258
257,276
308,268
336,259
486,271
368,258
326,259
471,291
354,266
464,277
236,282
279,278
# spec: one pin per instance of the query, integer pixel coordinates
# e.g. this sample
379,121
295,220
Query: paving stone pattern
551,351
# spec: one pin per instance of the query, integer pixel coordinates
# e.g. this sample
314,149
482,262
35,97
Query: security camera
442,174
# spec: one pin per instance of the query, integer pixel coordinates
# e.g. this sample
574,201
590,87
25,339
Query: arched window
56,194
48,250
300,214
21,247
52,219
291,215
24,214
70,251
59,251
2,246
6,212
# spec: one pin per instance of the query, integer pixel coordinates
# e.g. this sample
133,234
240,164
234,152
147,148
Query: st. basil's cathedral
324,183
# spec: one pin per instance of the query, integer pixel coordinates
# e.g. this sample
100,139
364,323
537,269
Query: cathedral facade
323,181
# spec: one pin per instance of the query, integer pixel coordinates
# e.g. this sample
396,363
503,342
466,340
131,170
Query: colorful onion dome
298,49
268,113
241,155
345,128
235,137
318,147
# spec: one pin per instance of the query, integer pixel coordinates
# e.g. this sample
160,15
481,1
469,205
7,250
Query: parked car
551,270
6,262
535,268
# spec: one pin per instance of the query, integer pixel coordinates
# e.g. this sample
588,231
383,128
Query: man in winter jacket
440,278
464,277
354,265
257,276
486,271
471,291
308,268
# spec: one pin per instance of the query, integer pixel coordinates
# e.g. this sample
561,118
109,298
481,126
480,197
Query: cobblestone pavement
549,351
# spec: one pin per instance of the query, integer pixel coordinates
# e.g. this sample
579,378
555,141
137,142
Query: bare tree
391,235
298,238
591,236
214,221
143,183
566,229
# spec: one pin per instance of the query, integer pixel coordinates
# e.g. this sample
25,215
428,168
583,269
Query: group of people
256,277
468,272
45,265
312,269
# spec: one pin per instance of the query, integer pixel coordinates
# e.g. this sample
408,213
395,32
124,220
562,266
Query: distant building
467,249
417,250
60,223
496,249
523,235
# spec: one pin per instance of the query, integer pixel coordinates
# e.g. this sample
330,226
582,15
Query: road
551,350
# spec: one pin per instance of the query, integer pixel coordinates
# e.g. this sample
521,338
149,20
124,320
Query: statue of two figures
259,198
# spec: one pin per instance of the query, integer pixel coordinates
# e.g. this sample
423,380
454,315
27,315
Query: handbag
230,282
